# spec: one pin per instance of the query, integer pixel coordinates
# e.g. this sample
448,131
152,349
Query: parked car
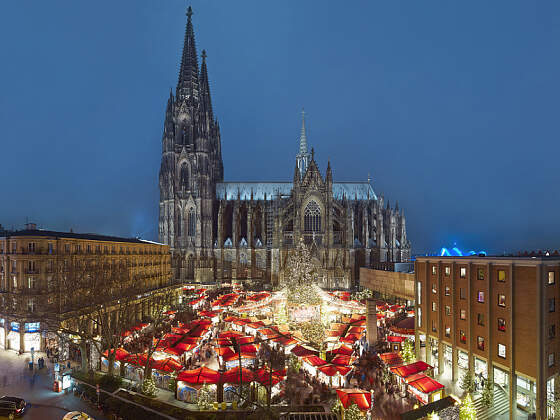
77,415
12,407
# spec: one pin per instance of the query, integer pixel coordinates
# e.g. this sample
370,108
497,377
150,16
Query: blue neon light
456,252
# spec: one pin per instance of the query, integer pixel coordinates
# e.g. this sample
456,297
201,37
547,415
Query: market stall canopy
342,349
202,375
167,365
120,354
263,376
426,385
232,376
304,351
395,339
342,360
405,371
391,359
314,361
360,397
330,369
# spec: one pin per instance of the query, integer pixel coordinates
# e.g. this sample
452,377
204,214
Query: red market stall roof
167,365
202,375
232,376
314,361
258,296
391,359
226,300
228,341
248,350
227,334
137,359
355,330
263,376
170,312
380,315
140,326
426,385
411,369
197,300
120,354
304,351
360,397
342,360
330,369
209,314
395,339
350,338
342,349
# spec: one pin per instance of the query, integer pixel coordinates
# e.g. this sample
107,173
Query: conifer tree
467,410
488,394
407,352
299,277
467,382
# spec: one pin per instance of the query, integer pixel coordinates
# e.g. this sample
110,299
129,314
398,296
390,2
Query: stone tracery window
312,217
191,223
184,177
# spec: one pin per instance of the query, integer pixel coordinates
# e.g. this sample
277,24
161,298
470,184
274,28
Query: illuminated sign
14,326
32,327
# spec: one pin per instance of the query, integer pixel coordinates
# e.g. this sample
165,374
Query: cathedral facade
222,231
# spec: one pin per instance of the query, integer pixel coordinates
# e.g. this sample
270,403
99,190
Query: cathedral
220,231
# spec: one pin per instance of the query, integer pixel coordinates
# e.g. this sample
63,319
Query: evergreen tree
467,410
488,394
407,353
299,277
433,416
467,382
205,398
353,413
149,387
556,406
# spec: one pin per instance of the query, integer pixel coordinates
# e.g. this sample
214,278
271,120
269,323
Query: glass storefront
32,340
550,398
526,394
448,358
462,360
435,355
501,377
13,340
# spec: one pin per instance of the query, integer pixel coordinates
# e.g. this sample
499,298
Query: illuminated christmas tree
299,278
407,352
467,410
149,387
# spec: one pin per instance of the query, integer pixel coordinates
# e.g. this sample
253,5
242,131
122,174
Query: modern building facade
222,231
495,316
32,262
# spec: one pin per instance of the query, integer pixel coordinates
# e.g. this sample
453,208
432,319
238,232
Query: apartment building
495,316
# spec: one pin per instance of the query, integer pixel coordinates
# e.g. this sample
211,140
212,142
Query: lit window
419,317
502,351
463,314
481,319
480,343
501,324
480,297
447,271
447,291
551,359
447,331
502,300
552,331
434,307
480,274
463,272
447,310
434,270
462,293
551,305
419,293
551,277
462,336
434,329
434,288
502,275
312,217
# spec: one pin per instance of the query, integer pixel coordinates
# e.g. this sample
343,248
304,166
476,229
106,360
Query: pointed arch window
179,226
312,217
184,177
191,223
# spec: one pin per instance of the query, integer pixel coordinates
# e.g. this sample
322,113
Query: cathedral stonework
221,231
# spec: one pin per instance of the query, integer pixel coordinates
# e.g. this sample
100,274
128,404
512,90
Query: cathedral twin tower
221,231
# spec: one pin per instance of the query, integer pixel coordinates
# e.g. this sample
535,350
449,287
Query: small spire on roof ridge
189,12
312,153
203,55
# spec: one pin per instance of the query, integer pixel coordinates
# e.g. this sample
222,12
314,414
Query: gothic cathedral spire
187,86
302,158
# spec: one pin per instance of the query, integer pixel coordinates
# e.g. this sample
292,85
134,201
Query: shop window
463,272
447,331
551,360
462,337
419,293
434,306
419,317
463,314
447,291
552,331
434,288
481,319
551,305
434,327
551,277
480,296
502,351
462,293
480,273
434,270
447,310
447,271
502,276
501,324
480,343
502,301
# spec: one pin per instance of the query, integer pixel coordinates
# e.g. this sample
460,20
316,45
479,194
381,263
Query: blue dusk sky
451,106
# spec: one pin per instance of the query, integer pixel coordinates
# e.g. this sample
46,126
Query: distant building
495,316
32,261
221,231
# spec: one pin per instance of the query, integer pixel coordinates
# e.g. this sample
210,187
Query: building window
434,307
463,314
463,272
312,217
480,273
501,351
50,248
501,324
552,331
551,360
447,310
434,329
434,270
179,233
31,247
462,293
462,337
551,277
480,343
480,297
31,305
78,249
31,283
434,288
419,317
88,249
14,247
447,271
447,331
481,319
419,293
502,276
551,305
67,248
502,300
447,291
191,223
